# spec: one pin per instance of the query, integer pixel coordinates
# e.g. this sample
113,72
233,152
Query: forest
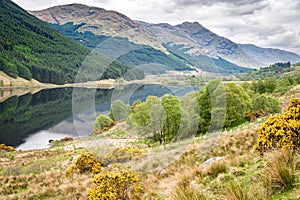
29,48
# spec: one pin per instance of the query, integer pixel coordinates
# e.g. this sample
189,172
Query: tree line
216,106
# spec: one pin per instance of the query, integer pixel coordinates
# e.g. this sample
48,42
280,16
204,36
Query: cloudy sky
267,23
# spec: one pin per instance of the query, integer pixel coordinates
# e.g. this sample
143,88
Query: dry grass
280,173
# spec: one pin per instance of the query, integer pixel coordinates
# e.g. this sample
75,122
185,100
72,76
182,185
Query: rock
211,160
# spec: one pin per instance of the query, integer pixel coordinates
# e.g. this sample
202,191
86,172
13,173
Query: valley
125,100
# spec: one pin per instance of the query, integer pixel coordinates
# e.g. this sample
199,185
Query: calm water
31,120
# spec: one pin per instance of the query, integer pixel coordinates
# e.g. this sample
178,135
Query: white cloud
267,23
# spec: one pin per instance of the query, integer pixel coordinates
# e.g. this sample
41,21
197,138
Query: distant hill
195,41
29,48
267,56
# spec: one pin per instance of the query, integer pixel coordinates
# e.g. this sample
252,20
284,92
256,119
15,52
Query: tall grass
280,173
184,191
234,191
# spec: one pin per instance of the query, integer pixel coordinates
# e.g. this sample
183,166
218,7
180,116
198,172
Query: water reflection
29,121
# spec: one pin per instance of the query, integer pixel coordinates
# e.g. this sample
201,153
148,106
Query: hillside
194,40
100,22
29,48
220,165
115,35
124,51
267,56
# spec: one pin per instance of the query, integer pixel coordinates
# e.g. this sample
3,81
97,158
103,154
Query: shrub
86,162
119,110
103,122
252,116
281,131
4,147
263,102
121,155
121,185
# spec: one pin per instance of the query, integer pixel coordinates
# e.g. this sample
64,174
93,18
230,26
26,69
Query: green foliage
115,185
140,111
223,104
281,131
119,110
276,70
30,48
263,102
238,103
160,117
205,97
1,83
103,121
172,108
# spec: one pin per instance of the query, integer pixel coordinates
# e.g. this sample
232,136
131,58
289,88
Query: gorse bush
281,131
4,147
121,185
85,163
121,155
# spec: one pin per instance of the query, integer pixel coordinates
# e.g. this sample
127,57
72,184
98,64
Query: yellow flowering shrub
121,185
86,162
281,131
3,147
121,155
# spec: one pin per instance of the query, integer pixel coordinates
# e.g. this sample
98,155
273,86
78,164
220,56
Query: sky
266,23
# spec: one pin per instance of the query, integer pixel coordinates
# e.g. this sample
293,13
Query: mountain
113,31
266,56
100,22
200,47
29,48
112,36
194,40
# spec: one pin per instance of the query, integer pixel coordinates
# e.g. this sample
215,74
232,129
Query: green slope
29,48
136,54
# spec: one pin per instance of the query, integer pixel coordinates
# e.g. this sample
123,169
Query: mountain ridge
98,21
189,40
200,40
